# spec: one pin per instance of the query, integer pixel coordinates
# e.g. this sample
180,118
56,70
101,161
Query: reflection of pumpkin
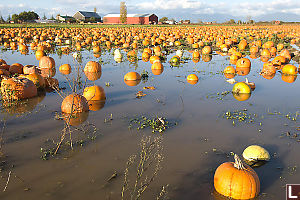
195,60
17,88
75,119
206,58
74,103
236,180
157,65
23,106
192,82
241,96
96,105
94,93
267,76
132,82
93,76
157,71
241,71
288,78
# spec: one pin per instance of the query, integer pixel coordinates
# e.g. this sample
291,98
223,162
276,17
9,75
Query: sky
218,10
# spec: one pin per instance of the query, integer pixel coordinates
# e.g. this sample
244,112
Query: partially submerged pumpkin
74,103
94,93
256,153
236,180
17,88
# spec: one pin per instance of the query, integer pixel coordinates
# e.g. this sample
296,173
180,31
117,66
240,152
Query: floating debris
140,94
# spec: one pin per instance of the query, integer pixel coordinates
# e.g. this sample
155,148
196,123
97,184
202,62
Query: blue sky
173,8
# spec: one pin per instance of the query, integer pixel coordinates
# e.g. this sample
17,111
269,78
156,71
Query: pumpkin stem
238,163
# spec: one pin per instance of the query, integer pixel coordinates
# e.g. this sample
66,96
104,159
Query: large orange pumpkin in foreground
74,103
236,180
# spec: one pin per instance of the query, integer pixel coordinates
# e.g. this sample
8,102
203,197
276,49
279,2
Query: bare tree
123,12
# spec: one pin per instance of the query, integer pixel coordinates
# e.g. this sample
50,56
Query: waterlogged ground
198,140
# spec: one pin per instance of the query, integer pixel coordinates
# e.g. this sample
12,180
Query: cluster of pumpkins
237,180
23,82
20,82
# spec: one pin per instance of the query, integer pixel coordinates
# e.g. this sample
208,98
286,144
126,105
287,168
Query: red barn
131,19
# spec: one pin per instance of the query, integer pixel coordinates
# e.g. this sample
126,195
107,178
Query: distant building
185,21
170,22
131,19
86,16
45,21
64,18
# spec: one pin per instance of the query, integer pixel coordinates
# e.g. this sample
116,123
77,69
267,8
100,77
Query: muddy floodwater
200,135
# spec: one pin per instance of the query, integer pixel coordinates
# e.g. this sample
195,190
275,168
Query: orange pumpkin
74,103
65,69
154,58
37,79
157,65
206,50
236,180
39,54
92,66
29,69
132,76
268,68
242,71
17,88
288,78
46,63
289,69
94,93
96,105
229,70
243,63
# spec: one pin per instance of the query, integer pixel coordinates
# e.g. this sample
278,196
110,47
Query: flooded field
187,131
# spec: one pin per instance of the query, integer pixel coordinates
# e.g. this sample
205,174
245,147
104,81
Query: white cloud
180,9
